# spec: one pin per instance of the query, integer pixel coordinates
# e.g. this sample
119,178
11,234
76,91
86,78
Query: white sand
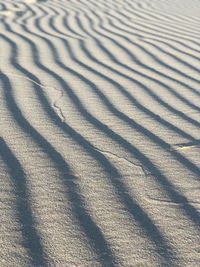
100,133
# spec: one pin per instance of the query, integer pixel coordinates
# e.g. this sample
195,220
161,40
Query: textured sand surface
100,133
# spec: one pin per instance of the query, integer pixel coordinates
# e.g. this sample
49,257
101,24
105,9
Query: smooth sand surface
100,133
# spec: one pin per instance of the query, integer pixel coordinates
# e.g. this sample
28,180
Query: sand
100,133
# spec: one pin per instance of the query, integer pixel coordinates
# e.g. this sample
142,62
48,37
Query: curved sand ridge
100,133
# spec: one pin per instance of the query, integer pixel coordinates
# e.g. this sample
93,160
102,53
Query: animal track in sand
127,161
55,102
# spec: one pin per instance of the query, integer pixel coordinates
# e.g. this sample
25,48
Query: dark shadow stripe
31,238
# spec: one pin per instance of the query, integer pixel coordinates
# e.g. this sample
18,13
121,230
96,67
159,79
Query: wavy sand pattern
100,133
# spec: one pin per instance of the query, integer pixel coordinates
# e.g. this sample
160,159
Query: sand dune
100,133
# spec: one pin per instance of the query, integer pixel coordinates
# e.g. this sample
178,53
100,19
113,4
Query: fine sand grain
100,133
